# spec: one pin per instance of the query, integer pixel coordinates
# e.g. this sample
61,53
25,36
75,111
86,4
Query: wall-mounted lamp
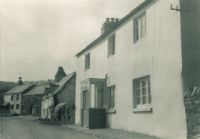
107,79
175,8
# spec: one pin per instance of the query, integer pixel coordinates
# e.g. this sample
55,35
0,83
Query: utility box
94,118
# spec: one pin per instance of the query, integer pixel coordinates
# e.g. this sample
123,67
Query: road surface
28,127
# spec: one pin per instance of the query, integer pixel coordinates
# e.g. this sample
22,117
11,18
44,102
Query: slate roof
63,82
123,20
37,90
19,89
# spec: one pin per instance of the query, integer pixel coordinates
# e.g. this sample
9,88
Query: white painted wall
167,87
46,105
7,98
157,55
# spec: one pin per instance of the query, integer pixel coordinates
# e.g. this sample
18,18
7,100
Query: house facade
31,103
47,101
59,103
64,99
14,97
46,107
139,67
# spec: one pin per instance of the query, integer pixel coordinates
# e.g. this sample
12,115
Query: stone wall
192,109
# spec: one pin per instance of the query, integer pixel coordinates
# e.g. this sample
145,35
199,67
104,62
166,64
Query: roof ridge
123,20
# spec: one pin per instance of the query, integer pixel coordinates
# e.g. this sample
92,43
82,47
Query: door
30,109
84,106
99,97
85,100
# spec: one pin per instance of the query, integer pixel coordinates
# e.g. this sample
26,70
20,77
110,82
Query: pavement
29,127
108,133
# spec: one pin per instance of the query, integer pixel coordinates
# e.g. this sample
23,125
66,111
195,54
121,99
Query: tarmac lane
29,127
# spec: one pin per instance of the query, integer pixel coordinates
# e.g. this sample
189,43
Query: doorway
99,97
30,109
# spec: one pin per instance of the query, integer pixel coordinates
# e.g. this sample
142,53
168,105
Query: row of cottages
13,98
24,99
138,69
49,99
59,103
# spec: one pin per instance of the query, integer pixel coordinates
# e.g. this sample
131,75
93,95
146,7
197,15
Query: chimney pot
20,82
109,24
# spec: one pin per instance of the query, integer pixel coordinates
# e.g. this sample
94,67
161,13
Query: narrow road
28,127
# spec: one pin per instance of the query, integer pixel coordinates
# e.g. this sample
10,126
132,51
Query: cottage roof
37,90
123,20
19,89
63,82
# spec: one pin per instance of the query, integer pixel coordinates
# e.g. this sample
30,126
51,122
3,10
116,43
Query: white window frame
17,106
12,106
111,97
17,96
12,97
142,94
139,27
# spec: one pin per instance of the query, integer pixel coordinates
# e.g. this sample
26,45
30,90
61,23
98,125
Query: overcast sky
38,36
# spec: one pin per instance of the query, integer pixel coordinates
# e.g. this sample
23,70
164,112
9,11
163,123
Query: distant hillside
4,87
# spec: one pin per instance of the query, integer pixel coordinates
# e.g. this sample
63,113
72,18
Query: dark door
30,109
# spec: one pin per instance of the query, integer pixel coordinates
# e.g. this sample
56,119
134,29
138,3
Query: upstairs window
12,97
17,98
111,97
87,61
141,91
111,45
139,27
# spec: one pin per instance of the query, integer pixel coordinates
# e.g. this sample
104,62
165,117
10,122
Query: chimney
109,24
59,74
20,82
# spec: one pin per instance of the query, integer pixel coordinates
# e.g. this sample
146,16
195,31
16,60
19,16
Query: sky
38,36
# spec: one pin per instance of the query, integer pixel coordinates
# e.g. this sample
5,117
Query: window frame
17,106
111,45
17,96
144,97
111,97
139,27
87,61
12,106
12,97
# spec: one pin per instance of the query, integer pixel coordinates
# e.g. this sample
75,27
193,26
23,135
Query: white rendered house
139,66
